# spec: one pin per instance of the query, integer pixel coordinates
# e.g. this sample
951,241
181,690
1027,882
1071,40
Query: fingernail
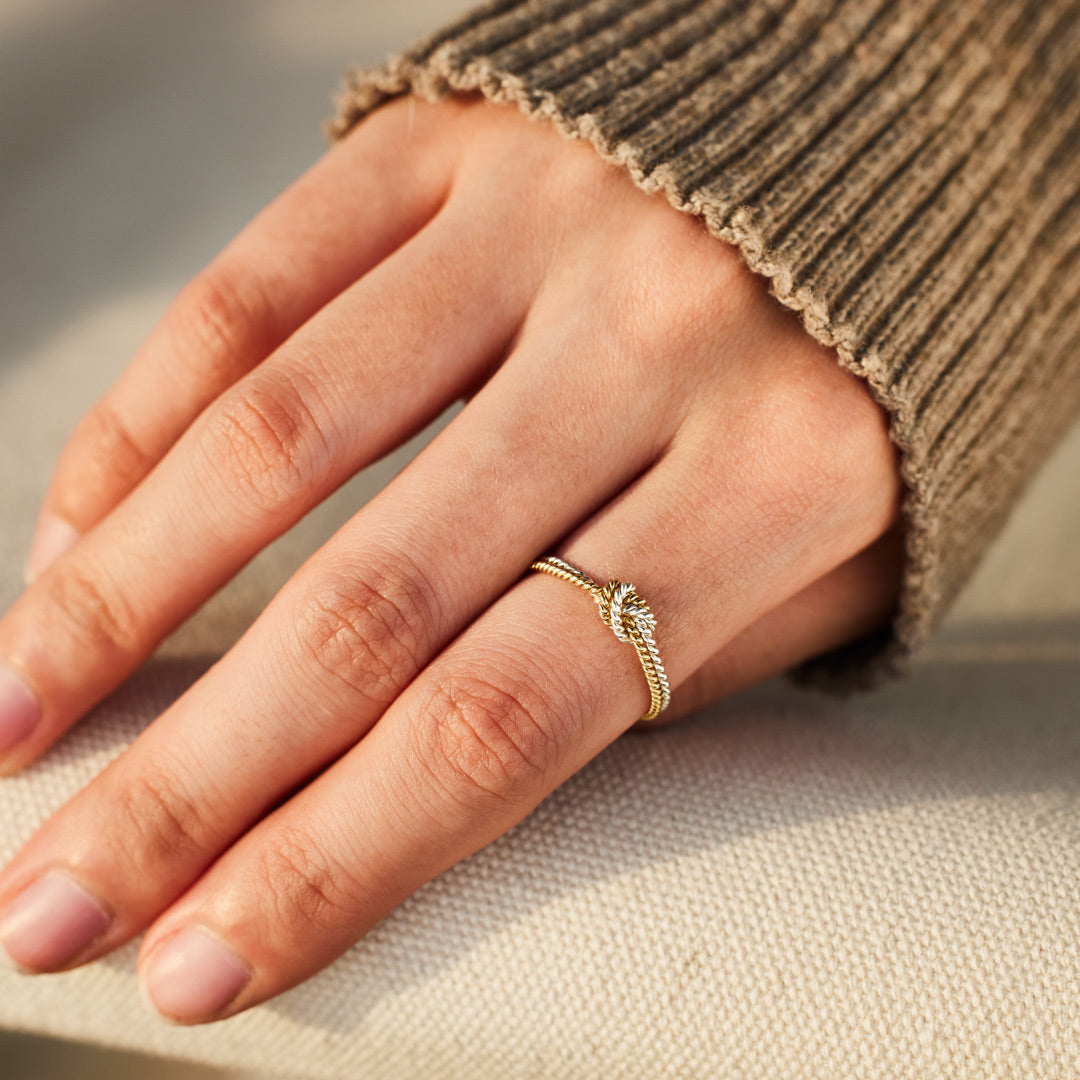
20,710
193,976
50,923
52,538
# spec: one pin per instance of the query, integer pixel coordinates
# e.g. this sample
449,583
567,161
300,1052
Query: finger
359,379
342,639
294,258
521,700
849,602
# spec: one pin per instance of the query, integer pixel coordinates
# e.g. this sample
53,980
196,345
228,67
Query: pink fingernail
52,538
20,710
50,923
193,976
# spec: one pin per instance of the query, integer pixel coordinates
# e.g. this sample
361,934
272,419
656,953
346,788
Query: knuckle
826,443
92,609
370,634
669,309
794,499
224,316
681,281
482,741
156,821
265,439
307,886
105,453
792,506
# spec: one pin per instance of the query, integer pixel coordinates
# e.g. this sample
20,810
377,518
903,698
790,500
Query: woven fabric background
785,887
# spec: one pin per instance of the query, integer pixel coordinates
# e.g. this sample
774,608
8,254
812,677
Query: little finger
848,603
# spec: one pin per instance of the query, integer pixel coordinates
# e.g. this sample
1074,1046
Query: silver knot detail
625,611
630,619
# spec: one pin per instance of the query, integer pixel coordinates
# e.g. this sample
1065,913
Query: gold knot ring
629,617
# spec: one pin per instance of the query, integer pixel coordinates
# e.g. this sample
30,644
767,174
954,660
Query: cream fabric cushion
786,886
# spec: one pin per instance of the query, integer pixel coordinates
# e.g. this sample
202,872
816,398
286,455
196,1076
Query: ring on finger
629,617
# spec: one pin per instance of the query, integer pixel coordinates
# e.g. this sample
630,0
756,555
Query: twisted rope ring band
628,616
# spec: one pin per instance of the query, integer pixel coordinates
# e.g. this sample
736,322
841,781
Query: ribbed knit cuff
906,173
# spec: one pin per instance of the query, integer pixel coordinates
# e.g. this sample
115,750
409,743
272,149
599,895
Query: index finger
356,206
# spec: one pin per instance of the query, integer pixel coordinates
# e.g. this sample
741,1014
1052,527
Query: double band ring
629,618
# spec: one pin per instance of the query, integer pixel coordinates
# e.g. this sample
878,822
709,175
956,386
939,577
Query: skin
636,403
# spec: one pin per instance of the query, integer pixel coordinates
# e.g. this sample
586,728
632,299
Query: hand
637,404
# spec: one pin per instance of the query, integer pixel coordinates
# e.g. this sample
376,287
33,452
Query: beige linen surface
783,887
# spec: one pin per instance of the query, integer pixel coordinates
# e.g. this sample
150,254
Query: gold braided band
630,619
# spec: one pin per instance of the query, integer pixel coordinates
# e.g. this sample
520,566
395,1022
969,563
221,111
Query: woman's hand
637,404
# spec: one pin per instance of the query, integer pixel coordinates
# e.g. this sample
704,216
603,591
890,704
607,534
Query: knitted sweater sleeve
906,175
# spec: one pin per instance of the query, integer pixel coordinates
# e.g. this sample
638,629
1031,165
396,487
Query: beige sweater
906,173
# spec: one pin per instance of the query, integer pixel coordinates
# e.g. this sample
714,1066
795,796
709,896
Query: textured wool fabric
906,173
